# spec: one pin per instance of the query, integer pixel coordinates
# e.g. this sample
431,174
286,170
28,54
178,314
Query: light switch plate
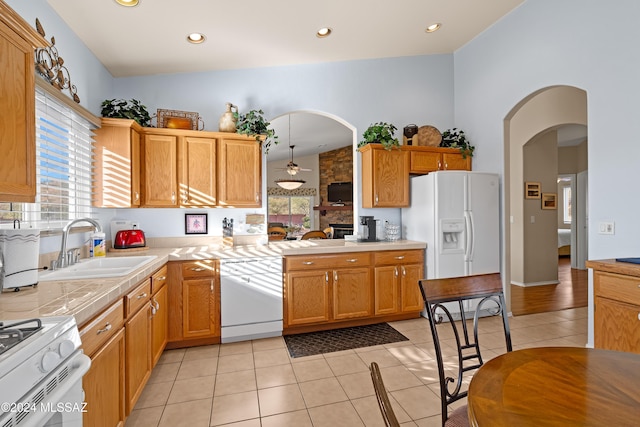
607,228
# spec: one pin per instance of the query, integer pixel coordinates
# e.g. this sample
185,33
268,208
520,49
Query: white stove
41,369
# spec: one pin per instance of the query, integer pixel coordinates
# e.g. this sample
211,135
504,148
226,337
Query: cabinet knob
638,316
326,277
162,278
404,272
142,295
400,257
395,271
307,262
376,199
446,166
173,197
439,165
197,269
352,260
136,196
335,277
211,285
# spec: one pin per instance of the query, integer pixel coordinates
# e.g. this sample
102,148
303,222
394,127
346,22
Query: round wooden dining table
556,386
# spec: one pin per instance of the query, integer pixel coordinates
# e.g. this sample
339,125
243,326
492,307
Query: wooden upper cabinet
430,159
17,107
117,164
239,172
160,170
385,177
197,171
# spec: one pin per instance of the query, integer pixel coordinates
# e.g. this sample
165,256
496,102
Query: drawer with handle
399,257
201,268
137,298
158,279
95,333
617,287
313,262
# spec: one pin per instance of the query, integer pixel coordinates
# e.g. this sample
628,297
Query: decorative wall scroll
50,65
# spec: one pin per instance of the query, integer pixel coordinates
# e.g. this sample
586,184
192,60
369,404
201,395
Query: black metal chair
388,415
443,298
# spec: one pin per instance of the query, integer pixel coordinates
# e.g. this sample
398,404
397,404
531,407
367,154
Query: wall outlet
607,228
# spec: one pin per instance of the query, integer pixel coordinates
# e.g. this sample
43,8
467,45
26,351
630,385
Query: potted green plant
455,138
253,123
382,133
123,109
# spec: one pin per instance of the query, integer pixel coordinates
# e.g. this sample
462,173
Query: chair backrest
388,415
329,232
276,233
450,305
314,234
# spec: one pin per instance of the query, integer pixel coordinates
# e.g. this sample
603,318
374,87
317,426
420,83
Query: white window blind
64,147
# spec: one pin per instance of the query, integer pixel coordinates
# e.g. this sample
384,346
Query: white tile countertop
86,298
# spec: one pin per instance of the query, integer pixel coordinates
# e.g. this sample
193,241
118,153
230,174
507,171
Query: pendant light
290,183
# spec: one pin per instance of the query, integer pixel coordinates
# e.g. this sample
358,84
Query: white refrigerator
457,214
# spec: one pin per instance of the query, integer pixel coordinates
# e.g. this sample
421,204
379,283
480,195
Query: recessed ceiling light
433,27
195,38
128,3
323,32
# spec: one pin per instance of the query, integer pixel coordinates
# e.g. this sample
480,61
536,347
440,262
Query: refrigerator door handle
469,241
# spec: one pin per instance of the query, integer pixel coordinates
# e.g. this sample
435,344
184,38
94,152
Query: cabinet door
197,164
385,178
352,296
454,161
117,164
160,177
240,173
306,297
199,311
386,289
616,326
159,323
136,196
17,112
410,296
138,355
103,385
423,162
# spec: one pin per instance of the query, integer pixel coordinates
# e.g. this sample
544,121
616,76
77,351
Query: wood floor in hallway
571,292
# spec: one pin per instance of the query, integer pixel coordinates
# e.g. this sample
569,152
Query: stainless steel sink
96,268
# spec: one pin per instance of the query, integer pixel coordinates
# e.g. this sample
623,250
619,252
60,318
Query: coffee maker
369,232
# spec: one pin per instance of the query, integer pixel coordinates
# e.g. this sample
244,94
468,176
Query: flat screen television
340,192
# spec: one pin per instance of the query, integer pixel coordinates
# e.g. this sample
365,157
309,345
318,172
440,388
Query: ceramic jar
227,120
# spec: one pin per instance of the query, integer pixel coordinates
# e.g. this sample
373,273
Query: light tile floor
257,384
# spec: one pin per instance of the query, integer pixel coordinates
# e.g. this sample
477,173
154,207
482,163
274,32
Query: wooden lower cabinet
194,302
159,323
103,341
138,354
616,323
307,297
103,385
352,294
396,279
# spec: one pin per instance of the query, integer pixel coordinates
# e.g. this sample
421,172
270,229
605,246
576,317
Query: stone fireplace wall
335,166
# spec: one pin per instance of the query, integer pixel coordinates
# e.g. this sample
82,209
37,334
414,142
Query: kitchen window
292,211
64,144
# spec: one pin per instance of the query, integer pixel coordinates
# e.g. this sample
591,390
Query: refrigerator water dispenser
452,235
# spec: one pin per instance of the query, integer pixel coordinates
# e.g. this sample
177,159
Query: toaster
126,239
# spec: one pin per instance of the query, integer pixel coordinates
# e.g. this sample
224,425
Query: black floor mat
311,343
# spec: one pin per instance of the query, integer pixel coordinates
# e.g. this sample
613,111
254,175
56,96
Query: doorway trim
544,109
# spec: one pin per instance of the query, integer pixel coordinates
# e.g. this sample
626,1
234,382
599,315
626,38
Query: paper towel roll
19,253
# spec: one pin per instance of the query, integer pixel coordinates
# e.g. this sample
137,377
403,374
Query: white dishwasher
250,298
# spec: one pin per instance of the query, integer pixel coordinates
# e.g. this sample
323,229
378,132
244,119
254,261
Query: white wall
547,42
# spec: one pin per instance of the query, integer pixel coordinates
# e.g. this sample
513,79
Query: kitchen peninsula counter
86,298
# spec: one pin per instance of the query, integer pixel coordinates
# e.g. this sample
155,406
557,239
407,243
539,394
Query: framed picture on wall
531,190
195,223
549,201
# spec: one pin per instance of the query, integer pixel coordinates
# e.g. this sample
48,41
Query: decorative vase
228,120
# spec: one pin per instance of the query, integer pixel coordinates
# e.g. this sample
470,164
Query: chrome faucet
63,260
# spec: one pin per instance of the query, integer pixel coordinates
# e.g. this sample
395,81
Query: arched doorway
534,117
